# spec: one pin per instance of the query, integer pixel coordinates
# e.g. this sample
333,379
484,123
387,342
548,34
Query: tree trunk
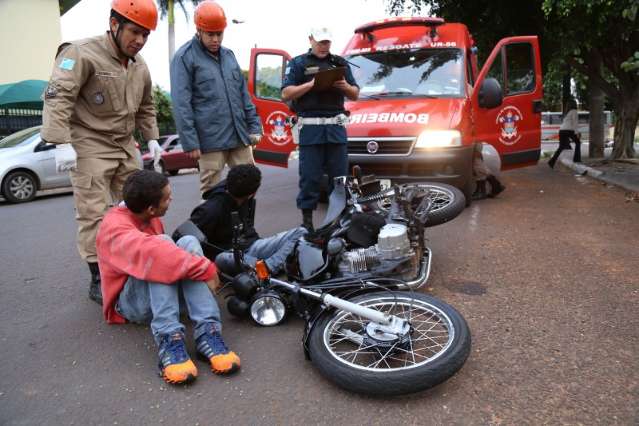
171,20
625,125
565,90
596,125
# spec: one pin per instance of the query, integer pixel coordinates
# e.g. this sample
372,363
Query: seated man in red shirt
143,272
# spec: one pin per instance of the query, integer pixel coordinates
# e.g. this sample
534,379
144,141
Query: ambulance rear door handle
537,106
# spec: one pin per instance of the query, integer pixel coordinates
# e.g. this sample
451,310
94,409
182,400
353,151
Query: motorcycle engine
392,245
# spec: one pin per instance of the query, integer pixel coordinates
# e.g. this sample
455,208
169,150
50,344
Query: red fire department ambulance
424,103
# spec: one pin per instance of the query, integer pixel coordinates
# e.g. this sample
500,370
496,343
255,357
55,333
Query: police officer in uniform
321,118
99,92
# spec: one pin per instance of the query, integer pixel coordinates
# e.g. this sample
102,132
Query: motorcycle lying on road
353,281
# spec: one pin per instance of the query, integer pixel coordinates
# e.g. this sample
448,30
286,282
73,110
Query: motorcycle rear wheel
448,201
436,347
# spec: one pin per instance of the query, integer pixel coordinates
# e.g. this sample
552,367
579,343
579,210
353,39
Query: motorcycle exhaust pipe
424,273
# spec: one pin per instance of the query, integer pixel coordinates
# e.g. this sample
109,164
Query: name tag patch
108,74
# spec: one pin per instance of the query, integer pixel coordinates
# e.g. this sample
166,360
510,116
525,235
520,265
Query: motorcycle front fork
385,323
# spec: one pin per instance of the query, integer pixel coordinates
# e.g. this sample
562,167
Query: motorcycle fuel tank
310,259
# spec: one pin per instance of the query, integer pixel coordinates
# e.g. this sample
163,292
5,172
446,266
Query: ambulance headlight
438,139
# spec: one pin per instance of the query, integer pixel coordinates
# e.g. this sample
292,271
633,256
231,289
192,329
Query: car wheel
173,172
19,187
162,168
468,190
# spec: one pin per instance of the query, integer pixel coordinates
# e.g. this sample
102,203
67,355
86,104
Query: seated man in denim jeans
143,273
213,217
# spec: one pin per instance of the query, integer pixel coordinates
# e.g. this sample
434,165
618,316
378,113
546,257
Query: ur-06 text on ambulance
424,103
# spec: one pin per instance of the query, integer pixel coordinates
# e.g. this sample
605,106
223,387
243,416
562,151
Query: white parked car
27,165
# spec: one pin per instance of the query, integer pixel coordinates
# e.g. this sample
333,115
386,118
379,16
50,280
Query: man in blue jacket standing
216,120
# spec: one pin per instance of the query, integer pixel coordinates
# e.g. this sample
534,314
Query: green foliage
487,20
269,82
632,64
599,39
166,7
552,87
163,111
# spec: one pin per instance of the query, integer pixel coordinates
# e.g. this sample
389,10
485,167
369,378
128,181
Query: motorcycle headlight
438,139
267,309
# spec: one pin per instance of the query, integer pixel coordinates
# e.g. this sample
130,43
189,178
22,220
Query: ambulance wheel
468,190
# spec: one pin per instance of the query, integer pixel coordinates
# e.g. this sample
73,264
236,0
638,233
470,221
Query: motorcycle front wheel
351,351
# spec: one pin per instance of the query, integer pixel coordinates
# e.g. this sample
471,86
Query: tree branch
595,78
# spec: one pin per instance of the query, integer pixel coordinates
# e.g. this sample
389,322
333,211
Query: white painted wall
29,38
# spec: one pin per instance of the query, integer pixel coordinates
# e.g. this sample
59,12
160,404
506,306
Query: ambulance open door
266,74
514,127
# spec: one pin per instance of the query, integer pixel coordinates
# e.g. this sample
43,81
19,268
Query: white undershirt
570,121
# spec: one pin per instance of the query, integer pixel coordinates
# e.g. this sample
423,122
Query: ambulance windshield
436,73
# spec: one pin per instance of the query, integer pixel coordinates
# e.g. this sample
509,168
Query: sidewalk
622,173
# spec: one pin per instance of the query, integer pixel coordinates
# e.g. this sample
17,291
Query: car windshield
410,73
17,138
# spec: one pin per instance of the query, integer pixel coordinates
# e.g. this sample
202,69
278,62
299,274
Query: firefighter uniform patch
50,92
98,98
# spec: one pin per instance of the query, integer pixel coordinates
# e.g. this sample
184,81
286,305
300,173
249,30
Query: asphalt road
546,276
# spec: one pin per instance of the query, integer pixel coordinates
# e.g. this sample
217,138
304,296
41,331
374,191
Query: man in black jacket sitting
213,218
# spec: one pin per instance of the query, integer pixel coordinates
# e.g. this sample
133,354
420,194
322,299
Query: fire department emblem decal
372,147
507,120
278,128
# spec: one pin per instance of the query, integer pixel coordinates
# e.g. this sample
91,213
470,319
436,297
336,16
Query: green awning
23,94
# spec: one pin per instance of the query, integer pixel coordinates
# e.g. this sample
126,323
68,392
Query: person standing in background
567,133
213,112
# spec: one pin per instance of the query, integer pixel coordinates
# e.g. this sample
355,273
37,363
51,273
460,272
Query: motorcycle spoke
424,335
437,344
428,314
383,358
432,348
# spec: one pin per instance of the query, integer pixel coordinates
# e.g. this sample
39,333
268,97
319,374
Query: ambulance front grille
385,146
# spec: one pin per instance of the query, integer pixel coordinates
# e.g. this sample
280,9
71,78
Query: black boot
307,219
480,191
95,292
495,186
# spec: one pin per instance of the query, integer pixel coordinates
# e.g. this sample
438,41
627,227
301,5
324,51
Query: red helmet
210,17
142,12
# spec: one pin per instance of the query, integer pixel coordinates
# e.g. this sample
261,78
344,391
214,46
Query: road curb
615,180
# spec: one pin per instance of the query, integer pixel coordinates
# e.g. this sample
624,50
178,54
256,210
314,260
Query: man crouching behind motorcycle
214,219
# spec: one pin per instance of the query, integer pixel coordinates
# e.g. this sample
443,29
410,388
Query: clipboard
324,79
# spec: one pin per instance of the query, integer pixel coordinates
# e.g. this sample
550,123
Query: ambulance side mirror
490,94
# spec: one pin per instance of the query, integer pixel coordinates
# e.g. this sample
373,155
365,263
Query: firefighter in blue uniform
321,119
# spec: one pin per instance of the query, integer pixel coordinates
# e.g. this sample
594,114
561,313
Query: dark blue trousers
315,161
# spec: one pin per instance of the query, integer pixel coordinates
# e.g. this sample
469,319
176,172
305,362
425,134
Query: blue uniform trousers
315,160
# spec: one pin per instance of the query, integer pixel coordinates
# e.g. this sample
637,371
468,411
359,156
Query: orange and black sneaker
211,347
175,364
